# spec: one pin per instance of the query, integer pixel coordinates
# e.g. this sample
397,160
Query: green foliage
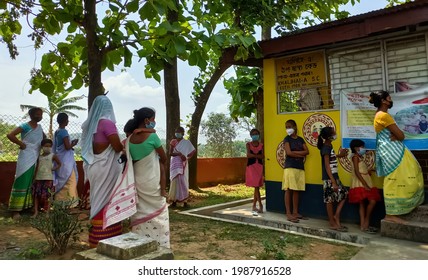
59,225
8,150
32,254
242,88
238,150
221,194
288,101
274,250
220,132
58,103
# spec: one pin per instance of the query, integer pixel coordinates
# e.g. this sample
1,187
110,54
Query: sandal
292,219
375,229
301,217
255,213
369,230
341,229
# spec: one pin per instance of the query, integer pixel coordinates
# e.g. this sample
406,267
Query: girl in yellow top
403,185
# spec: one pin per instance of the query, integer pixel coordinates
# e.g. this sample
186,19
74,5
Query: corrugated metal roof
356,18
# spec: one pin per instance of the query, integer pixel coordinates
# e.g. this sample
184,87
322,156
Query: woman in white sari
148,160
101,147
181,150
29,145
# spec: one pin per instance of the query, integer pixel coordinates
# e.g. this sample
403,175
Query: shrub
59,225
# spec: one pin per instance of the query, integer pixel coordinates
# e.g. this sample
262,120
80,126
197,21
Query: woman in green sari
29,145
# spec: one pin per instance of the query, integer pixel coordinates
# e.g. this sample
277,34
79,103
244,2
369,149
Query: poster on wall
410,112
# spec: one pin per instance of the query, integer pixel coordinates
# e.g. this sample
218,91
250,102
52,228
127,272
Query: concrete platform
375,246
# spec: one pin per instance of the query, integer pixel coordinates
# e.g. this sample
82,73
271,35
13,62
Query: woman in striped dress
403,187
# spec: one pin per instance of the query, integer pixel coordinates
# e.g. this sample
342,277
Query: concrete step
384,248
312,227
420,214
413,230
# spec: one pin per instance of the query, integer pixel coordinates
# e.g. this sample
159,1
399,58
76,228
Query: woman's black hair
376,97
46,141
355,143
326,132
254,130
180,128
33,111
142,114
61,118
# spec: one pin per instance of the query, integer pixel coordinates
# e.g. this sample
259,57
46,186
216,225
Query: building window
306,99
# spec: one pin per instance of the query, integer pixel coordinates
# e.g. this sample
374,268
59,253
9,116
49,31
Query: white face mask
334,137
290,131
47,150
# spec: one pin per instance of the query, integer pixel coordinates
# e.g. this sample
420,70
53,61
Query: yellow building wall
274,129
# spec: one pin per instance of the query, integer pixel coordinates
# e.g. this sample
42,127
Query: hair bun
371,98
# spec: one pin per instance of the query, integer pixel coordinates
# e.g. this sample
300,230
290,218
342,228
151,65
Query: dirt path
191,239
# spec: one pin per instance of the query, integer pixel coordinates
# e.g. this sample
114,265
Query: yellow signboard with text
301,71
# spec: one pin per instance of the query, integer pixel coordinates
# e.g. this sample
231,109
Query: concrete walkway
375,247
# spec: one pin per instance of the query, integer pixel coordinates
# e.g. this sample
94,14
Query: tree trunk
172,97
172,102
201,103
94,54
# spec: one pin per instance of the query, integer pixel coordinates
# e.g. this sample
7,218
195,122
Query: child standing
293,180
254,170
43,188
362,188
334,192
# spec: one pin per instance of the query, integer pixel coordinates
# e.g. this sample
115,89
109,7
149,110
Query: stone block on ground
127,246
161,253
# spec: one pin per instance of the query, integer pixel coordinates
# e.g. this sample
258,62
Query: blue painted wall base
311,204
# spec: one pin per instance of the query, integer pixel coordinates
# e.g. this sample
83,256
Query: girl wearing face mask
43,187
293,180
254,169
403,187
362,188
334,193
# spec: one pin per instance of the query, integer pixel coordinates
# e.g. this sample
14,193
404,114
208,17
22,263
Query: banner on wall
410,112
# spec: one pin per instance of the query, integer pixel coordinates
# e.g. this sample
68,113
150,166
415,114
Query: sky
128,90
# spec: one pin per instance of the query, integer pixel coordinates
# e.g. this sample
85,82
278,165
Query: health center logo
313,125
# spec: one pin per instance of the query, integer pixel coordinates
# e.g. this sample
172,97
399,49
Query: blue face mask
362,152
151,125
255,137
178,135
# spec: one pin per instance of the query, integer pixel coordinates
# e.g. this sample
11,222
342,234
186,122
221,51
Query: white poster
410,112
